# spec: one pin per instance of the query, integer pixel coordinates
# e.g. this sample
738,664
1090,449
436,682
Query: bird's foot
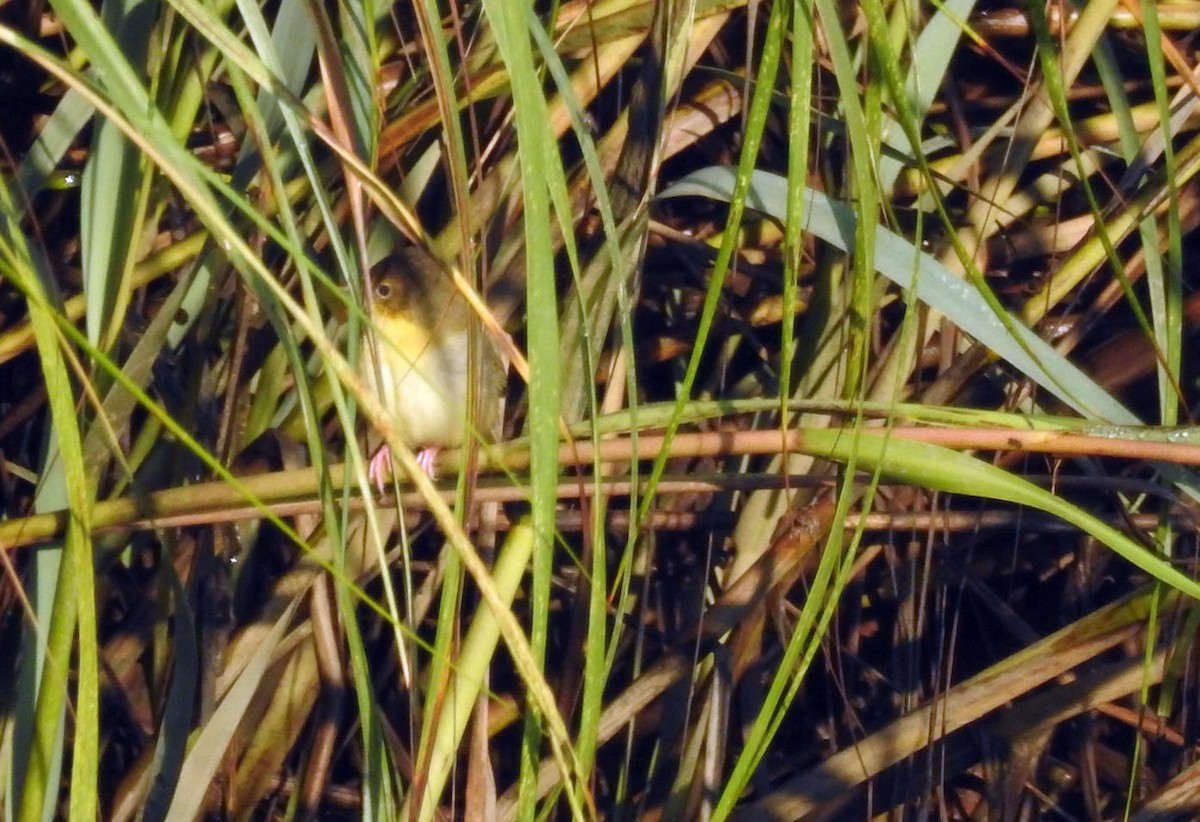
427,459
379,470
380,467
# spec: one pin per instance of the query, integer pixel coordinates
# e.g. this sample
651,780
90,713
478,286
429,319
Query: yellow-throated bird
416,359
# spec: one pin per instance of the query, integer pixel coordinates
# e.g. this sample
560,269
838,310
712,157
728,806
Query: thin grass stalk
152,797
799,122
178,167
227,212
889,67
596,665
71,600
114,194
113,177
1037,116
43,650
932,52
456,166
335,524
352,114
862,121
755,125
1134,151
1166,286
209,744
469,676
828,785
1055,91
541,176
1166,303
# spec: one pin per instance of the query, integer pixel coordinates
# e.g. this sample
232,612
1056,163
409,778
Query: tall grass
813,455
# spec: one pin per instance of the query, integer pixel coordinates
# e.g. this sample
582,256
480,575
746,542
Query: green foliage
733,300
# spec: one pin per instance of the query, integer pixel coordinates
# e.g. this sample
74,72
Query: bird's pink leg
379,470
380,467
427,459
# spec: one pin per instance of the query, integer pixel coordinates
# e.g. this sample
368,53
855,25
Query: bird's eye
383,290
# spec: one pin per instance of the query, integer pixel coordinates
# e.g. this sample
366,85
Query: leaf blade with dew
934,285
941,469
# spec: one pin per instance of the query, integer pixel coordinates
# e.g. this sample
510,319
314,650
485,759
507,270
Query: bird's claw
427,459
379,470
380,467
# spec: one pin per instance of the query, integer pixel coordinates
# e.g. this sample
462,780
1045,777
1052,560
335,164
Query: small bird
416,360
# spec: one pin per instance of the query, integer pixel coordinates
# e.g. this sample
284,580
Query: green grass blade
209,746
541,172
474,658
74,602
934,285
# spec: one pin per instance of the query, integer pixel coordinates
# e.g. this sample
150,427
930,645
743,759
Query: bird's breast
422,381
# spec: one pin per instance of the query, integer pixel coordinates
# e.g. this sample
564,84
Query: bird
416,359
